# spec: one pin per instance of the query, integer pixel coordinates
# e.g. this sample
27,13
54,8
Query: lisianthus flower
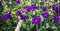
5,16
31,8
22,17
45,14
18,12
55,7
56,18
36,20
17,1
44,8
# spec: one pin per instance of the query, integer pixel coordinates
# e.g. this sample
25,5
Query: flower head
55,7
17,1
45,14
18,12
22,17
44,8
36,20
31,8
5,16
56,18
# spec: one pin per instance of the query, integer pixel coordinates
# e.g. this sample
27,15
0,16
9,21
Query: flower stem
18,25
36,27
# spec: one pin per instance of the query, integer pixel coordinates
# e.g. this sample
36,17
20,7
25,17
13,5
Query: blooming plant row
37,15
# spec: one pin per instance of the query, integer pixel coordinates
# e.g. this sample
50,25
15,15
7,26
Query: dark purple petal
18,12
36,20
17,1
56,18
54,7
22,17
31,8
44,8
0,3
28,9
45,14
5,16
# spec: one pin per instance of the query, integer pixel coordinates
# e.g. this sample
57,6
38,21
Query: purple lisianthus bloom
22,17
18,12
45,14
56,18
5,16
28,9
55,7
17,1
44,8
36,20
0,3
57,10
31,8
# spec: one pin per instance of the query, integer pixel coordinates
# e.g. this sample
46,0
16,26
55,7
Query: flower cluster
31,12
30,8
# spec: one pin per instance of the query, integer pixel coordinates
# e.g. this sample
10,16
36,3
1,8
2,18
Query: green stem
36,27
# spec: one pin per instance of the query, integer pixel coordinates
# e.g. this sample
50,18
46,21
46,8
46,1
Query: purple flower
36,20
17,1
5,16
45,14
31,8
54,7
18,12
56,18
22,17
0,3
28,9
44,8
